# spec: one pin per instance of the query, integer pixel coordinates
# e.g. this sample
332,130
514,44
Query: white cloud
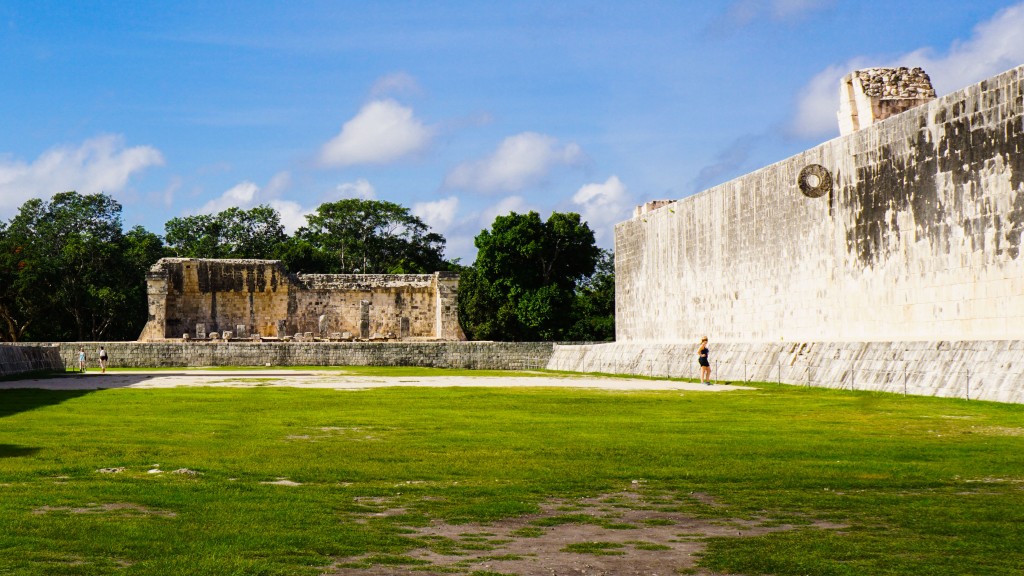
604,204
383,131
247,194
507,205
439,215
101,164
243,195
819,100
361,189
293,215
395,83
995,45
520,161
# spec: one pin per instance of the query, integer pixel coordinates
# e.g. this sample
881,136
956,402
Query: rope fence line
957,383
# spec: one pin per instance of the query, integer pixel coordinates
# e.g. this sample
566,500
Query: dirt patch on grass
116,508
623,534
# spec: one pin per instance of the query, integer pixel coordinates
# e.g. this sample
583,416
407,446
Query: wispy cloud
745,12
396,83
729,162
101,164
995,45
520,161
383,131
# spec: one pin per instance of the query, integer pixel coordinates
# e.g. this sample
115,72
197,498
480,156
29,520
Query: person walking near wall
702,359
103,360
81,360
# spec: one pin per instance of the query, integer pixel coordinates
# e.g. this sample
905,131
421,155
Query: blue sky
458,110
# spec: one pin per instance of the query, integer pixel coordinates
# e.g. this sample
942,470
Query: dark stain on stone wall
177,279
967,149
228,276
894,183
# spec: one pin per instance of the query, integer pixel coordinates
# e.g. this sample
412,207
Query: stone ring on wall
815,181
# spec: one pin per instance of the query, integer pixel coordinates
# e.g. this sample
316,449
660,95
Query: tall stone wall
259,297
907,230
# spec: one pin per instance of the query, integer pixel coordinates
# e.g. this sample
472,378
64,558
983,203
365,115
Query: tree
523,283
595,303
69,272
371,236
231,233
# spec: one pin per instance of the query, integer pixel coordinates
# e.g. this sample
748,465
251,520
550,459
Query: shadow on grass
17,400
16,451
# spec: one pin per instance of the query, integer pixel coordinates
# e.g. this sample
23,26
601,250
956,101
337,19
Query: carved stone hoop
815,181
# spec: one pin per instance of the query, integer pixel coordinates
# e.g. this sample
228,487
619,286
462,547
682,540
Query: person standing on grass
81,360
702,359
103,360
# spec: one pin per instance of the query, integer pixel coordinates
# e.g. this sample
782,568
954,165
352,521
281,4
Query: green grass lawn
917,485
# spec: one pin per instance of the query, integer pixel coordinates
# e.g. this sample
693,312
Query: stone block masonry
468,355
20,359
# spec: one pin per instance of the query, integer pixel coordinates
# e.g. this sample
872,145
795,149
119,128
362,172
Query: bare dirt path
340,381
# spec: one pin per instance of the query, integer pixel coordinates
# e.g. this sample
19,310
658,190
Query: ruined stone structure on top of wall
874,94
908,229
257,298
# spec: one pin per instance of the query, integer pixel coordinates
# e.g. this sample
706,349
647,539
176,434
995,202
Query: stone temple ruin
205,299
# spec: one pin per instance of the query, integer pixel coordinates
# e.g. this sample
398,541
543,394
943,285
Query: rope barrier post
967,371
904,379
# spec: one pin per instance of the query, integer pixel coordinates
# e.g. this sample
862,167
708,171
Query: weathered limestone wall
219,294
907,230
978,370
222,295
470,355
19,359
406,305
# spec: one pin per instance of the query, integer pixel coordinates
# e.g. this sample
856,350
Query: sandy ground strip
341,381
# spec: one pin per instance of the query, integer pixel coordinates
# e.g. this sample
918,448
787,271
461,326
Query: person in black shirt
702,359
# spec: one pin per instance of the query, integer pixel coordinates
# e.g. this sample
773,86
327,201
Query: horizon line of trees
69,271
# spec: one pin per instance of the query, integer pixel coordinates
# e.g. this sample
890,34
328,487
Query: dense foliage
232,233
372,237
536,280
68,270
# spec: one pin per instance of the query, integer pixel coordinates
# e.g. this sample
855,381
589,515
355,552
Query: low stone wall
975,370
19,359
472,355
